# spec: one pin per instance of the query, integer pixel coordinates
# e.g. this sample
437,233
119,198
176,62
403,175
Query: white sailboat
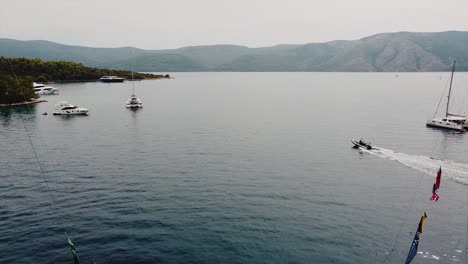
450,121
134,102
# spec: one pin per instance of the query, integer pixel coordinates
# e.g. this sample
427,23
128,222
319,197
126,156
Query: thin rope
466,242
464,102
41,169
404,222
133,82
392,249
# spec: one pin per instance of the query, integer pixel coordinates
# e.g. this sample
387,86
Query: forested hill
43,71
402,51
18,74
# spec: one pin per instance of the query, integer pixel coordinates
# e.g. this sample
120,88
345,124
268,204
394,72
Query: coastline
36,101
95,80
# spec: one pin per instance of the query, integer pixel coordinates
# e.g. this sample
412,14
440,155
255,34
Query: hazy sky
155,24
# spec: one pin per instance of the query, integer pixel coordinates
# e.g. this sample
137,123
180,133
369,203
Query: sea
237,168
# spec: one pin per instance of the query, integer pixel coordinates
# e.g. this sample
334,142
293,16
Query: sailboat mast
450,90
133,85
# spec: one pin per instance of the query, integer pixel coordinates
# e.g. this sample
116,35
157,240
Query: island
18,74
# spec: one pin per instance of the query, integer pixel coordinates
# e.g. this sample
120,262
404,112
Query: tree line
45,71
18,74
15,90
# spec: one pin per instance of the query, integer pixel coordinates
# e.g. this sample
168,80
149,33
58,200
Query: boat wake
452,170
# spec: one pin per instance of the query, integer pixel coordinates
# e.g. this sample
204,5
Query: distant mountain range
387,52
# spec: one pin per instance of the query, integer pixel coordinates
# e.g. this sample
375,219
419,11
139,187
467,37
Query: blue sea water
236,168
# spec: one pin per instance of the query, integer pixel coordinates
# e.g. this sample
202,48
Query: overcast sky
155,24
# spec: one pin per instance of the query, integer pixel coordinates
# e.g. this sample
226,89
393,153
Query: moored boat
110,79
450,121
65,108
42,89
134,102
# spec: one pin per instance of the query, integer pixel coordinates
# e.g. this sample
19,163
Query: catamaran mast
450,90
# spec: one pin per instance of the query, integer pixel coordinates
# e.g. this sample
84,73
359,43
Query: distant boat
362,144
41,89
134,102
110,79
450,121
65,108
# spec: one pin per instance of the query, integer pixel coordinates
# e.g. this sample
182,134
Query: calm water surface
236,168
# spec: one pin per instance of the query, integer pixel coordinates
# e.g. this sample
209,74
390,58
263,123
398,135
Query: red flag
436,186
439,174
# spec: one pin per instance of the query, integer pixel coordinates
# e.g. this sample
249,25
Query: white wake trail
452,170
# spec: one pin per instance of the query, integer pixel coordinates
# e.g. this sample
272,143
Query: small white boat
111,79
65,108
450,121
42,89
134,102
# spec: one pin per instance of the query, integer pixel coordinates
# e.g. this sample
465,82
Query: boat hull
444,125
112,80
70,113
47,93
134,106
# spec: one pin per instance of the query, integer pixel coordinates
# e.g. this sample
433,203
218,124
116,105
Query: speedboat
134,102
110,79
362,144
41,89
65,108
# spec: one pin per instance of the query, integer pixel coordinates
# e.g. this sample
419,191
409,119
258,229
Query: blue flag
414,246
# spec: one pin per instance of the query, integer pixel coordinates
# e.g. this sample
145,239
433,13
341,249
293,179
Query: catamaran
450,121
134,102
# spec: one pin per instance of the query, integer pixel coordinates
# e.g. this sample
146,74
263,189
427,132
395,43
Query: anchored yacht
41,89
65,108
134,102
110,79
450,121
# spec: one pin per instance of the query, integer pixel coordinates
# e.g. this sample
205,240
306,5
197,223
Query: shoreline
24,103
94,80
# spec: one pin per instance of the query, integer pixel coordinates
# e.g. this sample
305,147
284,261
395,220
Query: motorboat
134,102
450,121
362,144
111,79
65,108
42,89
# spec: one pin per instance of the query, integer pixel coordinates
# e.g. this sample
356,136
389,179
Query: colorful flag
73,251
414,246
439,174
434,196
436,186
